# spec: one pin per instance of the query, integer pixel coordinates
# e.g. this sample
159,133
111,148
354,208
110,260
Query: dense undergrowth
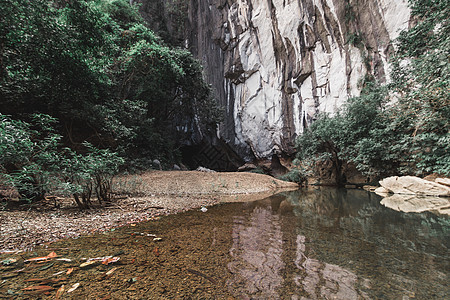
84,83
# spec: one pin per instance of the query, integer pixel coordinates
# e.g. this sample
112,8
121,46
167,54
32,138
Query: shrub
33,161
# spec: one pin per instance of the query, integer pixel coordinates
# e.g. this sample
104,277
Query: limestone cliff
274,64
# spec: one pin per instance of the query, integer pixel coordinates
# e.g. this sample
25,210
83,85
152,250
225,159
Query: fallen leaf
37,259
49,256
88,264
18,271
110,260
99,258
59,292
74,287
43,281
8,261
35,279
132,280
11,292
38,288
58,273
69,271
110,271
46,267
64,259
156,251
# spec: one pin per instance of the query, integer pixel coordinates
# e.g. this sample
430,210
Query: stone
411,185
381,191
157,164
412,203
443,181
176,167
369,188
247,167
203,169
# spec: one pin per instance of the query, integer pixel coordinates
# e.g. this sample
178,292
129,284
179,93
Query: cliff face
275,64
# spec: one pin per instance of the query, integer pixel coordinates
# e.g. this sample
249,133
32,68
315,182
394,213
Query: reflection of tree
322,244
256,253
408,252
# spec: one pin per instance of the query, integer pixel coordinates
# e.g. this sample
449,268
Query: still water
316,244
336,244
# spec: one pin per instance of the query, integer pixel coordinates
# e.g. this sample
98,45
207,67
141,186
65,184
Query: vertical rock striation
275,64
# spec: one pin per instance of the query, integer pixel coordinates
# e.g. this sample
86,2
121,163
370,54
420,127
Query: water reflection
256,253
336,244
322,280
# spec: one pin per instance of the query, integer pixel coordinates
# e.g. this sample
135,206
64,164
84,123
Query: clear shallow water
317,244
337,244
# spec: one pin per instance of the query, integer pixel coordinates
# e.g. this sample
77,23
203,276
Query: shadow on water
308,244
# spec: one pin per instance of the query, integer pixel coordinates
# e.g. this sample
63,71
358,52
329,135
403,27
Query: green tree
402,128
96,67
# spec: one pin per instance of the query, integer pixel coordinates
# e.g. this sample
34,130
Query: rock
157,164
369,188
381,191
412,203
443,181
203,169
176,167
411,185
247,167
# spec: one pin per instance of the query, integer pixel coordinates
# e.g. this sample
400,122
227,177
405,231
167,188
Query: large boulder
443,181
411,185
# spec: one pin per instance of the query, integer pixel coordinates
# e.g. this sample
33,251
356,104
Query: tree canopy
96,67
96,70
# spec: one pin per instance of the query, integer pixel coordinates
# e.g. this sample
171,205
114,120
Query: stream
309,244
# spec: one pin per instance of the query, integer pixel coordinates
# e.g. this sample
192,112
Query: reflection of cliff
265,247
336,244
325,281
256,251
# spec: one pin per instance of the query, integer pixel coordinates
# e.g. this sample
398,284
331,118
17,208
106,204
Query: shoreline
160,193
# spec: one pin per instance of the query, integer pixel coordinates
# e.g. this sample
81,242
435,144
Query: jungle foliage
404,126
96,75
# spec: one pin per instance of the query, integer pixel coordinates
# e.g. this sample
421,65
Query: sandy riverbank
140,198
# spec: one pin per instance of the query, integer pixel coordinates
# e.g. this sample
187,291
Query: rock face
275,64
411,185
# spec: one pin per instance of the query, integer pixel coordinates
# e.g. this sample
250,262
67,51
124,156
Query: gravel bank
142,197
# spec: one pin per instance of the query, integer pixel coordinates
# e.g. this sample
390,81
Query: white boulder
411,185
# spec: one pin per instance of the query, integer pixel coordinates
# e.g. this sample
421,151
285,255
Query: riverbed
309,244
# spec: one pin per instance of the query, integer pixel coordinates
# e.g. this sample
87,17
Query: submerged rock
411,185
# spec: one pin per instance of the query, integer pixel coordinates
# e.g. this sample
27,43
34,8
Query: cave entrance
215,155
